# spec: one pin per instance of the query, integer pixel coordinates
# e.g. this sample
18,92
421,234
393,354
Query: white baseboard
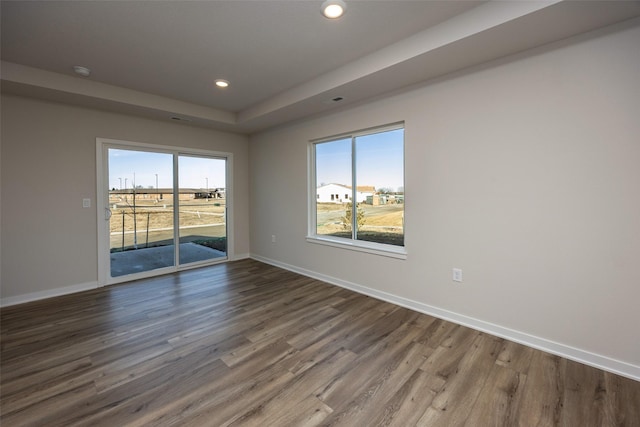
596,360
34,296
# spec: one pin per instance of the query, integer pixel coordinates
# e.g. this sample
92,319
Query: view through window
359,183
144,202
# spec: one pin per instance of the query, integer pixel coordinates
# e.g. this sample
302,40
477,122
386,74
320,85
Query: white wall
48,240
525,173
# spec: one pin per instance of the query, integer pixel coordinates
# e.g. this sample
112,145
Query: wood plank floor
248,344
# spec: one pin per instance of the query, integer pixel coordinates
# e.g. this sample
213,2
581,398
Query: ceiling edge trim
82,87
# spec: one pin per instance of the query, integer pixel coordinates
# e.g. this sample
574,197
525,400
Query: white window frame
381,249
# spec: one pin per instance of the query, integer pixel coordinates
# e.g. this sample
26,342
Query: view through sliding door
163,210
141,234
202,208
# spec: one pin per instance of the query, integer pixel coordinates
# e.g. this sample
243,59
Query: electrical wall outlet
273,238
457,275
86,203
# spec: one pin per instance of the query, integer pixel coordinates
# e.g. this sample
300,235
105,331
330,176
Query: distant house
167,194
339,193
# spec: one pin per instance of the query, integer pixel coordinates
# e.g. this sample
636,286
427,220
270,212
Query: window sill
361,246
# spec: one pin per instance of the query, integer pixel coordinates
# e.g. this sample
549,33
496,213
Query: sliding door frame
102,206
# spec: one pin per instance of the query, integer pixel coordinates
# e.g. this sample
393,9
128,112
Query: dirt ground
159,215
391,215
382,224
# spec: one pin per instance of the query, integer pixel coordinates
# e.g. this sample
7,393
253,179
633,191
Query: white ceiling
283,58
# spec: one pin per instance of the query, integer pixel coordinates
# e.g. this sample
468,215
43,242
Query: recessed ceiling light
333,9
82,71
222,83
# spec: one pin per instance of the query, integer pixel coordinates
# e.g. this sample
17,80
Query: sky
141,167
379,160
379,163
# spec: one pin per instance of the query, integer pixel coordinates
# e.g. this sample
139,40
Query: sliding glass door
162,209
201,208
141,233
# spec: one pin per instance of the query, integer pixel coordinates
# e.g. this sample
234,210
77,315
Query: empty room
314,213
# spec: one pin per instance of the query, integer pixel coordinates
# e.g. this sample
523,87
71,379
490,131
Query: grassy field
381,224
160,216
200,223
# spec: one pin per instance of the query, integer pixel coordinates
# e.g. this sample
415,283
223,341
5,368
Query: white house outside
338,193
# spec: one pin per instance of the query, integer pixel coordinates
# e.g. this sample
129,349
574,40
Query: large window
357,190
160,209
